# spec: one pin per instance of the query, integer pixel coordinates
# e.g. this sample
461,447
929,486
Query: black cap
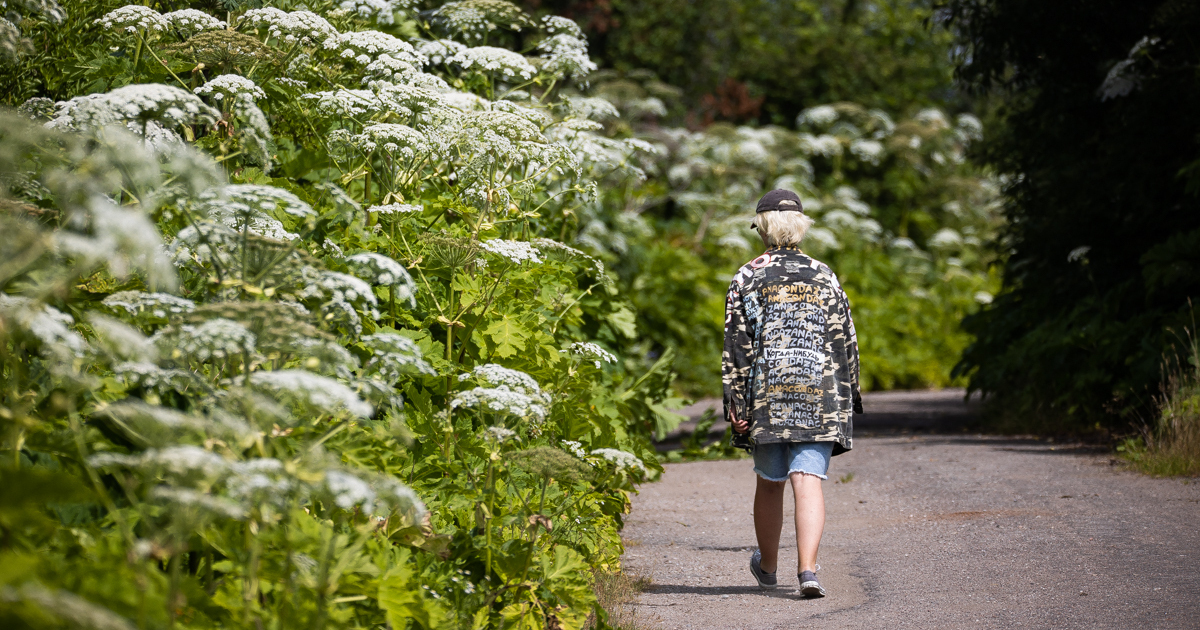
779,199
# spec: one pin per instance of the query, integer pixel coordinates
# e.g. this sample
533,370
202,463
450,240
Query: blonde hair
783,228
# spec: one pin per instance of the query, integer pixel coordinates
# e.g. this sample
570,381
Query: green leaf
508,335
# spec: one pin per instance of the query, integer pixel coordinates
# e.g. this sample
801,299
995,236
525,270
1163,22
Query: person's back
790,372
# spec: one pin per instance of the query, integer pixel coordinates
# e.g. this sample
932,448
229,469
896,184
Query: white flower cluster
382,11
566,55
389,68
474,19
825,145
304,26
193,499
381,270
140,103
182,461
363,46
190,21
230,85
575,448
392,355
399,140
132,18
47,324
502,399
499,435
318,391
217,338
591,350
591,108
121,340
622,459
516,251
440,51
397,208
252,206
820,116
556,24
340,292
499,62
144,306
870,151
498,375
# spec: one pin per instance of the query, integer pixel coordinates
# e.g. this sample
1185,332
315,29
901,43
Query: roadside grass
1171,448
616,591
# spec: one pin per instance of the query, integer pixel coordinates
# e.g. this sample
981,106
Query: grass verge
616,591
1171,448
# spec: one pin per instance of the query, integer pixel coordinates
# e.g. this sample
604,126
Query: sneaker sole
812,589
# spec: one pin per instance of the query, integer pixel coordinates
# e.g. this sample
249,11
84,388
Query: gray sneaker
809,585
765,580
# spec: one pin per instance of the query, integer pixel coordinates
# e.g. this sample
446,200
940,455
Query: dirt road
932,531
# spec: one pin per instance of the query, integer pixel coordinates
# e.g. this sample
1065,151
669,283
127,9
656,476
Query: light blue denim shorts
775,462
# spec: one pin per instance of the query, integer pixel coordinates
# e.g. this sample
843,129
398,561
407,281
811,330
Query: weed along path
931,531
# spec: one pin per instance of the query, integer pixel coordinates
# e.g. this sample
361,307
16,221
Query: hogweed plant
289,334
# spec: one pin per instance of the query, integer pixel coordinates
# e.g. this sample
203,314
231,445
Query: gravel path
932,531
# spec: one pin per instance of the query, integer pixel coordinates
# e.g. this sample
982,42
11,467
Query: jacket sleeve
735,359
852,353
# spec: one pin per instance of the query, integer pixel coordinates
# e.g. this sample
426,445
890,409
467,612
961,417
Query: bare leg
768,521
810,519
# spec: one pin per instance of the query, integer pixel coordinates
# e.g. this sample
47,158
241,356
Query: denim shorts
777,461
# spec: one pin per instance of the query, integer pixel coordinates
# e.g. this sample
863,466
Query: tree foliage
1098,138
764,61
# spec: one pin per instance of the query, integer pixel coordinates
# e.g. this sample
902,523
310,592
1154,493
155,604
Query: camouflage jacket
791,355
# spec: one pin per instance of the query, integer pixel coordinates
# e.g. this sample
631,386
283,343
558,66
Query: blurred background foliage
1096,126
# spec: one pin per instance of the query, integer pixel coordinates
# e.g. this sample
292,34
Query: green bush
285,336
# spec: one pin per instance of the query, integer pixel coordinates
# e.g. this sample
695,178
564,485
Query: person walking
790,374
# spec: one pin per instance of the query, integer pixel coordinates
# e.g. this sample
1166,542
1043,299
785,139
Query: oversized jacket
791,354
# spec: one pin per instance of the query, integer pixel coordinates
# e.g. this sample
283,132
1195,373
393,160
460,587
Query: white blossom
593,351
516,251
349,491
441,50
318,391
869,151
932,117
575,448
945,238
500,62
140,103
622,459
381,270
820,116
498,375
370,44
399,140
501,399
474,19
131,18
555,24
304,26
181,460
566,55
50,326
141,306
190,22
825,144
397,208
499,435
217,338
188,498
393,355
230,85
382,11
